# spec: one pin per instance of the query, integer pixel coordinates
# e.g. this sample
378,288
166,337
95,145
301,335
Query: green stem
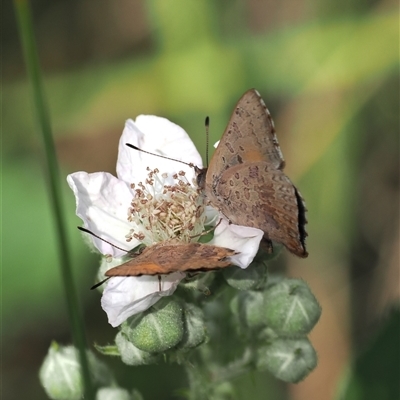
235,368
199,385
204,376
32,64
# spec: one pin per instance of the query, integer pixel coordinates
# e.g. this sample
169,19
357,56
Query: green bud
112,393
194,327
131,355
253,277
290,308
115,393
157,329
290,360
136,395
224,391
60,373
248,309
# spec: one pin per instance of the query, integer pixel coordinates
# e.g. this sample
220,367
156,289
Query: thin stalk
25,26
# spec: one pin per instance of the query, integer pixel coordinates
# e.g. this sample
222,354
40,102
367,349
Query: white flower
135,208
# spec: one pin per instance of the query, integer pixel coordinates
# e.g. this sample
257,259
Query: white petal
127,296
130,163
243,239
212,216
102,203
156,135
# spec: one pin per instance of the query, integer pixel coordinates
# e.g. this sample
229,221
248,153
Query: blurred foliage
375,372
321,69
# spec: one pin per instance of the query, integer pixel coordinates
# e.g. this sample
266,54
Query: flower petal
102,203
159,136
212,216
127,296
243,239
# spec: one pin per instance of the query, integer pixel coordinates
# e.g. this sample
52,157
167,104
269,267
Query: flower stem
205,376
199,387
25,26
236,368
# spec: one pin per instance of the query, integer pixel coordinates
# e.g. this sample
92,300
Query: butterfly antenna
104,240
100,283
207,125
191,165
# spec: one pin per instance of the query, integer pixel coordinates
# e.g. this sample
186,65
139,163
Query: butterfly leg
207,231
159,282
266,245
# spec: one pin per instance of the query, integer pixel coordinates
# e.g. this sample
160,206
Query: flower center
166,207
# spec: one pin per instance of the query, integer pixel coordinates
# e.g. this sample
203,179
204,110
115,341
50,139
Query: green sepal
131,355
290,360
290,308
253,277
247,307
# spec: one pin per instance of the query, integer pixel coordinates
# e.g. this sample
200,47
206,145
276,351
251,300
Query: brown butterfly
167,257
245,178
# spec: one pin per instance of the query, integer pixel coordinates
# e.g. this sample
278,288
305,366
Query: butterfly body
166,258
245,179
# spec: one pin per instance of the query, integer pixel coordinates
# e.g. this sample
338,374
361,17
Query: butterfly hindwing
166,258
256,195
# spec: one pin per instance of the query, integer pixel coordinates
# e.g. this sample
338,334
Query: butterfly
245,179
167,257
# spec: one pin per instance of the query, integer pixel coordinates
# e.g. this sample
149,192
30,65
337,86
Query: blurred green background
328,72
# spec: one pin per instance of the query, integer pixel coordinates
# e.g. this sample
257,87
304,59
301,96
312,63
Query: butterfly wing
249,137
256,195
167,258
201,257
245,179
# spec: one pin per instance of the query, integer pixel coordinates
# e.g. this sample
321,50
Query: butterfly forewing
242,141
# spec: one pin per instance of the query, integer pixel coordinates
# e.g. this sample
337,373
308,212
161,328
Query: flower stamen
164,211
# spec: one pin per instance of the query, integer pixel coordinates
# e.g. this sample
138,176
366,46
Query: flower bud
60,373
157,329
290,360
112,393
224,391
290,308
248,309
253,277
136,395
194,327
130,354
